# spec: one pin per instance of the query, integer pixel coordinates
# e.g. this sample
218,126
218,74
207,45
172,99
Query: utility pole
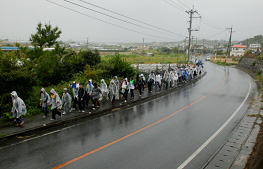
192,49
87,43
229,45
142,46
215,49
190,12
184,49
203,47
177,54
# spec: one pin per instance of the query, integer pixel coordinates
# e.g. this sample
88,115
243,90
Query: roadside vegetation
28,70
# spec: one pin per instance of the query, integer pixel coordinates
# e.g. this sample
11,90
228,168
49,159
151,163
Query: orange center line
144,128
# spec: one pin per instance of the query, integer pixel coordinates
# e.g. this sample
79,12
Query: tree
46,36
121,67
90,57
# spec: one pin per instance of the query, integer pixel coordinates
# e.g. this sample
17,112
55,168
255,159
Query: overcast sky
168,19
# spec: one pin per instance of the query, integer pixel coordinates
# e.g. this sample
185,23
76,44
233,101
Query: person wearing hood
186,74
89,88
190,73
195,71
140,85
116,81
166,78
56,104
81,98
200,69
113,90
66,100
95,94
44,101
143,80
158,81
104,89
132,87
176,76
75,90
125,89
18,109
172,77
151,80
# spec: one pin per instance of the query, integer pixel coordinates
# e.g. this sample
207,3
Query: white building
254,47
238,50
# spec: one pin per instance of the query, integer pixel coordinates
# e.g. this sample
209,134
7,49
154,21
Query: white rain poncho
175,75
89,87
19,107
172,78
66,97
96,93
45,98
125,86
104,89
166,76
131,85
117,83
158,79
151,78
143,78
75,89
113,89
55,101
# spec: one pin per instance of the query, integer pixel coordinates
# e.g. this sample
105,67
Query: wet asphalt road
165,144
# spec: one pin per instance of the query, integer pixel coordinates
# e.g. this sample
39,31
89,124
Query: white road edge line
186,162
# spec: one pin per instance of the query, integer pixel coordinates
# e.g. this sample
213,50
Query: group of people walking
94,94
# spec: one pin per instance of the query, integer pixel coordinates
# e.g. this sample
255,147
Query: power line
113,17
178,5
106,21
174,6
214,34
208,24
128,17
182,4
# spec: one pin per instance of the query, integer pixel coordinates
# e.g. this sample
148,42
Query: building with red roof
238,50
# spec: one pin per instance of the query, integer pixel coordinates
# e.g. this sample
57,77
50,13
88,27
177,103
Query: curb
228,154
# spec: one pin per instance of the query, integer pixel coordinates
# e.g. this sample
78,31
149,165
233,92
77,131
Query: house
238,50
254,47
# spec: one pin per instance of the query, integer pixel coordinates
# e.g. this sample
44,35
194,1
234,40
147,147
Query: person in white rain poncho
75,89
143,80
195,71
95,94
166,78
66,100
56,103
18,109
172,78
200,69
113,91
158,81
104,89
44,101
116,81
89,88
151,81
175,76
125,89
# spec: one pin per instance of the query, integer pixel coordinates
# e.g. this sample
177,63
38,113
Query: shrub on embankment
21,72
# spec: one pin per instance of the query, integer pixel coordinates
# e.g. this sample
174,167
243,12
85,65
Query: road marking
186,162
142,129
